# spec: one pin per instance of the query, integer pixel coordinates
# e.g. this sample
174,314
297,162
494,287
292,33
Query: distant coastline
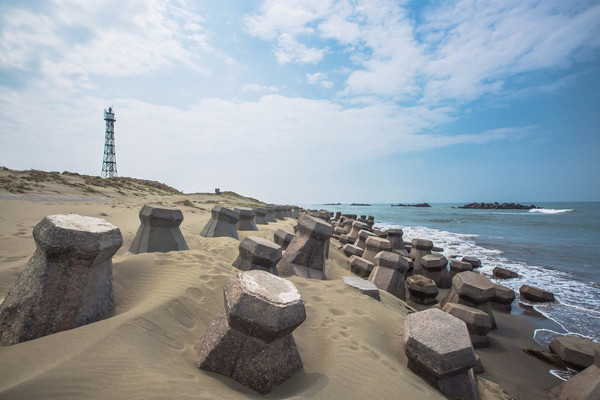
411,205
497,206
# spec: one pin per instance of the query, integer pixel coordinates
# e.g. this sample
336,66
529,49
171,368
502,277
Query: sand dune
350,344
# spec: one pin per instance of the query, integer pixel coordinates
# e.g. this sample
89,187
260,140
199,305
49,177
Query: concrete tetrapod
246,222
159,231
388,274
474,290
305,255
258,253
223,222
283,238
439,350
252,340
66,283
260,217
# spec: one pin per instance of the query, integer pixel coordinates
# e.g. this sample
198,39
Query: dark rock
66,283
158,231
497,206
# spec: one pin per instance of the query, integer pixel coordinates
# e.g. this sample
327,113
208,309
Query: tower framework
109,164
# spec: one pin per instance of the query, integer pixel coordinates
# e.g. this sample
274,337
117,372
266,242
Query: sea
556,248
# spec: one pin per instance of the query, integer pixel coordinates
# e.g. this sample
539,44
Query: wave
549,211
577,302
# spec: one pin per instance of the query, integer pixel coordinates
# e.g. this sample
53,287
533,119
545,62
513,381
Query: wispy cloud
319,78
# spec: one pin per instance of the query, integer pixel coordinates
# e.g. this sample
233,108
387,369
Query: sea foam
549,211
577,303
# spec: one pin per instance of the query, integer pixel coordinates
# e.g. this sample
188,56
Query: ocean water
556,248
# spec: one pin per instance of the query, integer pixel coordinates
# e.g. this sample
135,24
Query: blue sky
311,101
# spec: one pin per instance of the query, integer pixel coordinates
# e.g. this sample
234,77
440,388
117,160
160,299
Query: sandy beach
350,344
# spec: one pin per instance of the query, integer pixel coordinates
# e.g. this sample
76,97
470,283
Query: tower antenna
109,164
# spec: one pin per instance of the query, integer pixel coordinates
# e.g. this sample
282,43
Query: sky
311,101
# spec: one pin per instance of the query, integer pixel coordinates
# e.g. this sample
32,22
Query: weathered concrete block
360,266
283,238
362,237
305,255
478,322
278,212
438,348
374,245
223,222
456,267
388,273
503,273
66,283
434,266
421,290
475,262
270,214
365,287
473,290
535,294
346,239
252,340
574,350
357,226
583,386
260,217
395,239
158,231
503,299
246,222
352,250
258,253
419,248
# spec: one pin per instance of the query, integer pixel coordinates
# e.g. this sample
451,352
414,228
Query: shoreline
155,291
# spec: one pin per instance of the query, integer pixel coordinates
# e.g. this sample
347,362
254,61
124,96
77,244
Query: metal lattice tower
109,164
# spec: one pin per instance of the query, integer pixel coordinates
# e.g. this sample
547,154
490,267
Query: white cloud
255,87
458,51
75,40
319,78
